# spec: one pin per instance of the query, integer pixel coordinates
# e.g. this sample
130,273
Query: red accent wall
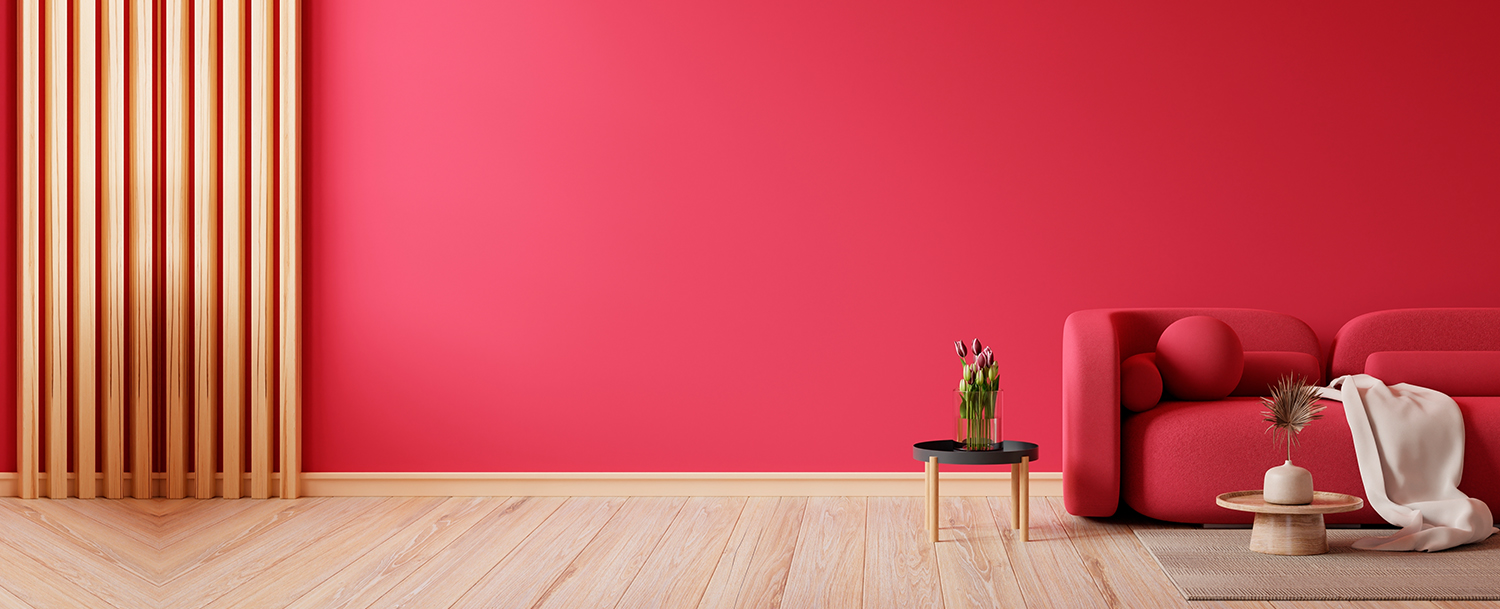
8,235
689,236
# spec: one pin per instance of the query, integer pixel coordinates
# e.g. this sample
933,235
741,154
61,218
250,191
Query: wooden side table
1018,454
1289,530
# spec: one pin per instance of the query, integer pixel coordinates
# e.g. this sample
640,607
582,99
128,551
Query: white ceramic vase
1287,484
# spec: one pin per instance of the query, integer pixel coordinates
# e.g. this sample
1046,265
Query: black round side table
1018,454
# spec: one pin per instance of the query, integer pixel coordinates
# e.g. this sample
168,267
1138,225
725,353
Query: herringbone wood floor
585,552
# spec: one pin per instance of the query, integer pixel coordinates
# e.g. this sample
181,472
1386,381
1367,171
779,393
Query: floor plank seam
785,576
375,546
647,560
1010,559
864,564
508,553
1105,593
336,530
267,567
937,571
307,507
44,565
553,583
796,543
717,563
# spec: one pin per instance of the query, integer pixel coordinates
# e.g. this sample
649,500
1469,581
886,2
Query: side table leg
927,496
1025,497
932,500
1015,495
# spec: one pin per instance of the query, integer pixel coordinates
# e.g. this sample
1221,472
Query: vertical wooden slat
290,119
142,127
112,243
55,235
262,229
28,186
205,241
87,235
233,247
178,242
85,239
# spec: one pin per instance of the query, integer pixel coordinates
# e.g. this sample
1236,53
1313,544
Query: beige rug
1216,564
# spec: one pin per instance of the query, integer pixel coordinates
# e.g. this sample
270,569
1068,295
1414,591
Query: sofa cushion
1264,368
1200,358
1177,457
1140,382
1474,373
1481,448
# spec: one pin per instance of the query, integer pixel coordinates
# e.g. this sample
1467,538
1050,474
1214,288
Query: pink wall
7,232
667,236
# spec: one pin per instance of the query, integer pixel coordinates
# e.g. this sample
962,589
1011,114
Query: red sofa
1170,462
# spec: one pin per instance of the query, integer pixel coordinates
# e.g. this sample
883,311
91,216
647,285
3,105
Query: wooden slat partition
112,243
159,226
290,246
140,158
55,238
179,245
29,231
85,243
232,163
205,245
262,229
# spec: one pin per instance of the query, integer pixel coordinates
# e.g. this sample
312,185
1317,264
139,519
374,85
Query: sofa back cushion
1475,373
1412,330
1264,368
1200,358
1140,382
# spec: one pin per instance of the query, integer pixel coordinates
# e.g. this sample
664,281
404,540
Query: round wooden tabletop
1322,503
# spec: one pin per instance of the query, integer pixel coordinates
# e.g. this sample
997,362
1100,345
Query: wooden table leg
1025,498
927,495
932,500
1015,495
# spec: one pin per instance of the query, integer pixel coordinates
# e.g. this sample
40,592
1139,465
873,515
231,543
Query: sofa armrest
1091,413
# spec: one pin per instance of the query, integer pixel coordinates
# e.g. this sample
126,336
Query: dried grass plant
1292,406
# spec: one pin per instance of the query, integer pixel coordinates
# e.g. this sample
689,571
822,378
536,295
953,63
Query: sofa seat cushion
1177,457
1481,449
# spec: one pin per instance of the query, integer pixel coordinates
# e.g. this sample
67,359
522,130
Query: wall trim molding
667,484
644,484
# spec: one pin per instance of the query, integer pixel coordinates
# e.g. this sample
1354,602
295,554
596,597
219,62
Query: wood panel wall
159,186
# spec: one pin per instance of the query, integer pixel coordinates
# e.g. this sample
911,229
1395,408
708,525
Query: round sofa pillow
1200,358
1140,382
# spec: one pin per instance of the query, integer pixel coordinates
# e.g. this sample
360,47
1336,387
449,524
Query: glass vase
978,420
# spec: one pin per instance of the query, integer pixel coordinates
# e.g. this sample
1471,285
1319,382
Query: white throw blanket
1410,444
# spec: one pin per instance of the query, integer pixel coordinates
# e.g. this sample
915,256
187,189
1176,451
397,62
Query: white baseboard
652,484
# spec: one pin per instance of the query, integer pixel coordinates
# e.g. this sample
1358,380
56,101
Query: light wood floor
584,552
